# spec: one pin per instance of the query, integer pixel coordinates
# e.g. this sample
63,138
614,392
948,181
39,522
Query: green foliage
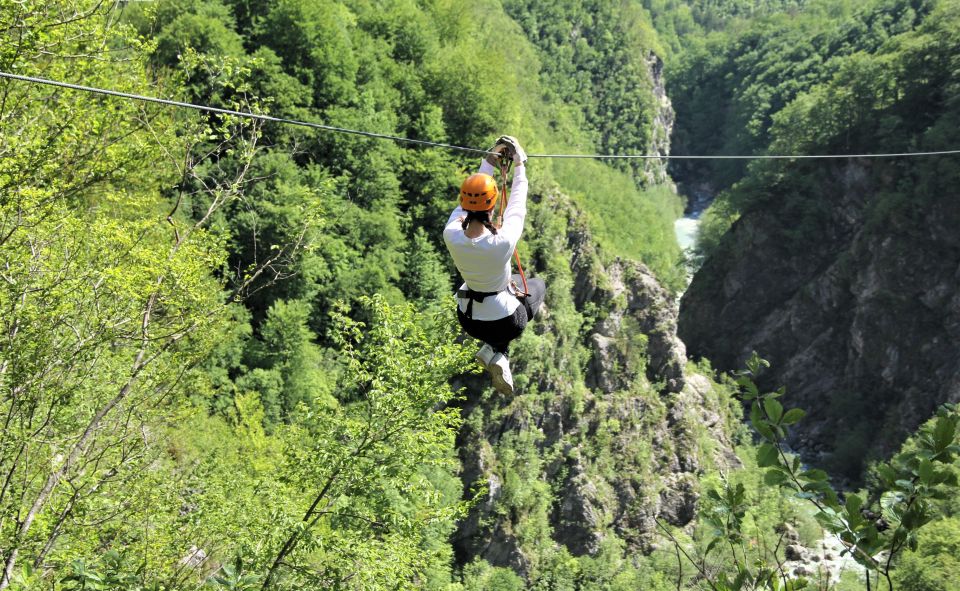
364,500
424,278
106,302
353,495
714,223
728,86
876,528
117,291
934,565
582,42
291,425
480,576
616,209
832,78
287,370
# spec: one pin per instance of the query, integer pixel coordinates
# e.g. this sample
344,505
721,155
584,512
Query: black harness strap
473,296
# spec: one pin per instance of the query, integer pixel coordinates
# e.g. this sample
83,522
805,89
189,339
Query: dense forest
228,351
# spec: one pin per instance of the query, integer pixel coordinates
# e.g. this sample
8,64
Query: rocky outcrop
655,170
640,314
607,430
578,512
825,561
860,320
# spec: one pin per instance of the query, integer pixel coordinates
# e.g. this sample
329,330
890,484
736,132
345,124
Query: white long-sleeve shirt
484,261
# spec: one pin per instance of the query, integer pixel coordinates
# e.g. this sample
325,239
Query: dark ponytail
482,217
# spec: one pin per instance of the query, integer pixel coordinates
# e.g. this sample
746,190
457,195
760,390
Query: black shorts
498,333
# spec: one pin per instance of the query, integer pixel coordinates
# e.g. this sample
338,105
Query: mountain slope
844,273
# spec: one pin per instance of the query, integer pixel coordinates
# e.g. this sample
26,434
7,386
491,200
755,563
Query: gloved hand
514,149
494,159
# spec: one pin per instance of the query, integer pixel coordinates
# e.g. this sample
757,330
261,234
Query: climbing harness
473,296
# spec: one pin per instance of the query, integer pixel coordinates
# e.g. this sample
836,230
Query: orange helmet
478,192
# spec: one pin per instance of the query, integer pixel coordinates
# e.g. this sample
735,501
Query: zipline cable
743,157
245,114
395,138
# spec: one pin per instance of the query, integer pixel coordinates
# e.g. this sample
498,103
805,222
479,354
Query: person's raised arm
516,210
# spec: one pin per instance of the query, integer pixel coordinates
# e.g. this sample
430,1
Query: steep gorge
310,436
844,273
862,326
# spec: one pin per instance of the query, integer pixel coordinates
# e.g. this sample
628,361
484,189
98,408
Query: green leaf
830,521
739,493
816,485
764,430
767,455
905,485
774,409
944,432
774,477
713,543
794,415
925,471
888,503
853,505
831,499
750,389
815,475
887,474
756,414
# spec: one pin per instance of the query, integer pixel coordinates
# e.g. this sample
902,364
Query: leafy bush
877,528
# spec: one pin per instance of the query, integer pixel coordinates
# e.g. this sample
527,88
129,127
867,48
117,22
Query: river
686,230
686,227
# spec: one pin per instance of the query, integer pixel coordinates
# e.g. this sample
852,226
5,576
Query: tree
366,507
425,278
876,528
289,359
934,565
109,290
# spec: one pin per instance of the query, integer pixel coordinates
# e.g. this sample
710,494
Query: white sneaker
499,369
485,355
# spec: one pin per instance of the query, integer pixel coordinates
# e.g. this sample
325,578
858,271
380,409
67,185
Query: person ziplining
491,306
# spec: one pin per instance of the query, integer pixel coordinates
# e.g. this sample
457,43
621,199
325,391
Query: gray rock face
637,305
678,502
577,513
655,170
861,321
794,552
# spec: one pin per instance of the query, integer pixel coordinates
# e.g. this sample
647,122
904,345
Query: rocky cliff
608,431
664,117
860,319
